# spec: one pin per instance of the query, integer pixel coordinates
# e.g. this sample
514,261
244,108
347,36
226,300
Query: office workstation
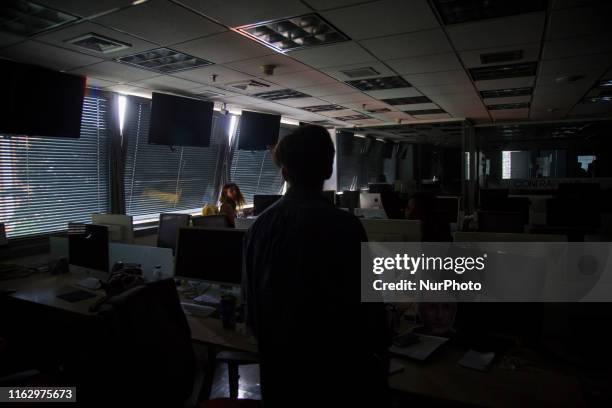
190,190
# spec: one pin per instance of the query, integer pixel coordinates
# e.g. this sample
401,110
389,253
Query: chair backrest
147,344
392,230
211,221
168,228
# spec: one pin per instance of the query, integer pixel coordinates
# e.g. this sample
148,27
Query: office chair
211,221
144,348
168,228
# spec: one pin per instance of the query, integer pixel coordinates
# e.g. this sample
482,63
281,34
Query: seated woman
231,200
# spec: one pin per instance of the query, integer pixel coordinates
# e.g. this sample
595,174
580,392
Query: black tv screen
179,121
40,102
258,130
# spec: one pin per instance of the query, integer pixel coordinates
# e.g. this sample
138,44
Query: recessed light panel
377,84
164,60
352,117
500,93
26,18
503,106
523,69
323,108
461,11
425,112
98,43
295,33
497,57
407,101
282,94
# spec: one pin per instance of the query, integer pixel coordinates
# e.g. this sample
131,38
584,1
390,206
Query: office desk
439,378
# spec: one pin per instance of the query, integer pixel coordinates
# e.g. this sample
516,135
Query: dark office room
306,203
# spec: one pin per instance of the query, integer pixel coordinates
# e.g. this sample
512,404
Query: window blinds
47,182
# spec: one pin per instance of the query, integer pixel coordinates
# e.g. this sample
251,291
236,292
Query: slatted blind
255,171
47,182
159,180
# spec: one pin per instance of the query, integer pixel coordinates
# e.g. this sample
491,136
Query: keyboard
197,310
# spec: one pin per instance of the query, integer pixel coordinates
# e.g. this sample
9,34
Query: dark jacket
318,342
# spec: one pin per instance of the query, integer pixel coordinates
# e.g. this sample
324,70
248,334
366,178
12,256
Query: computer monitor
120,227
330,195
262,201
209,254
88,247
168,228
370,200
348,199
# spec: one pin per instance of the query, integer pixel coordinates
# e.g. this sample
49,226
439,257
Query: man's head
306,156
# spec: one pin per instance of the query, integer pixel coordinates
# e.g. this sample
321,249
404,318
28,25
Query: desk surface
440,377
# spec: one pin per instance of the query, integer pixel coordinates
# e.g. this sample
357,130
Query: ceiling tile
573,22
208,88
433,116
471,59
416,106
576,65
332,4
59,37
205,75
224,47
382,18
303,79
340,113
301,102
157,21
347,98
99,83
499,32
510,114
447,89
505,83
327,89
49,56
166,82
130,90
85,8
237,13
394,93
283,65
409,45
438,78
113,71
7,39
570,47
348,52
425,63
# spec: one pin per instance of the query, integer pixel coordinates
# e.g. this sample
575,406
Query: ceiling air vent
164,60
360,72
378,110
250,85
497,57
98,43
352,117
282,94
522,69
294,33
377,84
500,93
503,106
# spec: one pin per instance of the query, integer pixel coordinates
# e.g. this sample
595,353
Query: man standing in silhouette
317,342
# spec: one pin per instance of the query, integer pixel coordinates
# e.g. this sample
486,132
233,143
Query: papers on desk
476,360
422,349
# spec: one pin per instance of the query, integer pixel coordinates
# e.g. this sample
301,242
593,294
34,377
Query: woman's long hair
239,197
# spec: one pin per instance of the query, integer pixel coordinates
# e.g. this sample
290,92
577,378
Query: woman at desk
231,200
